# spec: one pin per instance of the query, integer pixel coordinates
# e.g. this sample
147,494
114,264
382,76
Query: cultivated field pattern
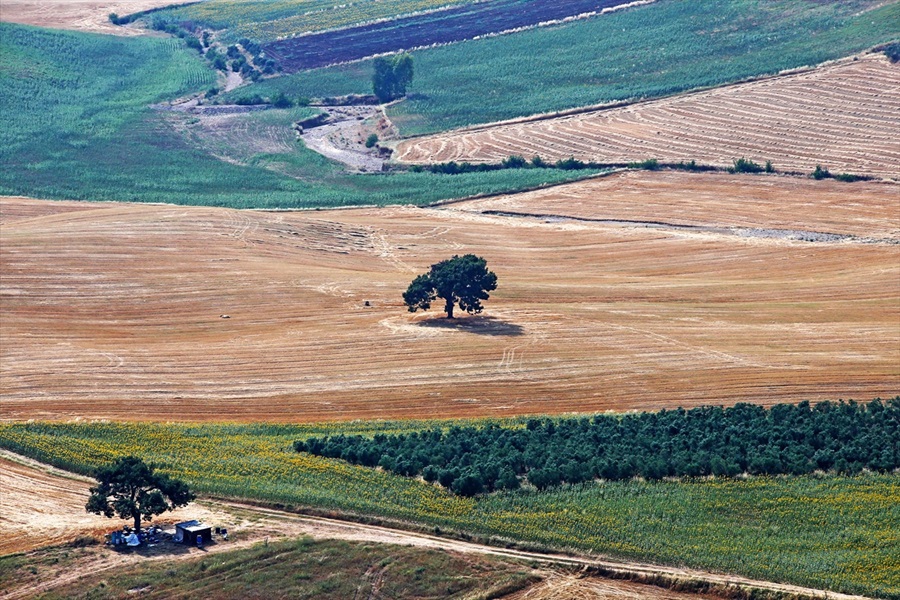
843,116
439,27
176,313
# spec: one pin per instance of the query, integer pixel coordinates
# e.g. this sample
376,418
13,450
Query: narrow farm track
843,116
139,312
251,524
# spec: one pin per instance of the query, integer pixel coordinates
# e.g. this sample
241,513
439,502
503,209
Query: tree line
842,437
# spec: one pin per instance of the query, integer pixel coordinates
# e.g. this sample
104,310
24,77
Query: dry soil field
176,313
843,116
80,15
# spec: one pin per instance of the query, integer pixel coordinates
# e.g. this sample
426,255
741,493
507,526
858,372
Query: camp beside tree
132,489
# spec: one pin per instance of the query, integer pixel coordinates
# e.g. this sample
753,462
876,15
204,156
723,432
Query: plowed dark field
439,27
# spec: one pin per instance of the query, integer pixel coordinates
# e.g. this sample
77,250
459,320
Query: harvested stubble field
843,116
118,311
79,15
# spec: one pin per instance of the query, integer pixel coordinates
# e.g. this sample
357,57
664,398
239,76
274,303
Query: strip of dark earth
755,232
438,27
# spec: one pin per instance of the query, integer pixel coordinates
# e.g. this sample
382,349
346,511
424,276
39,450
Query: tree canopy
462,280
391,77
132,489
744,438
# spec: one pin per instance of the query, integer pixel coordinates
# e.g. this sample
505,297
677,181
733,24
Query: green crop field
650,51
269,21
837,533
76,124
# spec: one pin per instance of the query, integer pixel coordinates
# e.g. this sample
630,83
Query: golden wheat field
843,116
158,312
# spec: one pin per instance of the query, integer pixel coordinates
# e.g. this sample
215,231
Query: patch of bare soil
579,587
842,116
80,15
62,495
116,310
343,138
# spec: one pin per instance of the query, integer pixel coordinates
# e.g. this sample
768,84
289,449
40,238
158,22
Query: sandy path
62,495
80,15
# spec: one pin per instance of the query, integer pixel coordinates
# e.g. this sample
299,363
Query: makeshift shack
189,531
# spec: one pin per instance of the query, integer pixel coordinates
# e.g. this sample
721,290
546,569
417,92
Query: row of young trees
843,437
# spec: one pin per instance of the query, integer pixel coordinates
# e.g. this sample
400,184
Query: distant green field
75,124
838,533
269,21
649,51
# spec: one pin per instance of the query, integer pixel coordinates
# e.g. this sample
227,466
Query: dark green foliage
651,164
131,489
769,168
692,166
392,75
821,173
462,280
113,18
744,165
280,100
249,100
250,46
746,438
892,51
371,140
570,164
850,177
514,162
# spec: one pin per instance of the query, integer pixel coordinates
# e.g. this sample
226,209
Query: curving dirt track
79,15
119,311
248,525
843,116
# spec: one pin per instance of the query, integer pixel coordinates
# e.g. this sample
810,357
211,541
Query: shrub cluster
845,437
892,51
823,173
745,165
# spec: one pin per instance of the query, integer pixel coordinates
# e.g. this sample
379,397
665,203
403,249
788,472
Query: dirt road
59,514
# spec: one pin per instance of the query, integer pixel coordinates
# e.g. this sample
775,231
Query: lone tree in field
130,488
463,280
392,75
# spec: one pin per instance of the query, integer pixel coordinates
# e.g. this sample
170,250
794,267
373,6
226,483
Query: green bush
743,165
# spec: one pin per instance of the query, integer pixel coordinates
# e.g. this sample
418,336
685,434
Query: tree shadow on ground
478,324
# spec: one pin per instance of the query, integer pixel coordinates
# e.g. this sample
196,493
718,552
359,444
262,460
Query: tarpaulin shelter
188,532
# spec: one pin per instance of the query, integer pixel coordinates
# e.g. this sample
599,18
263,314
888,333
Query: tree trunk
137,523
448,307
